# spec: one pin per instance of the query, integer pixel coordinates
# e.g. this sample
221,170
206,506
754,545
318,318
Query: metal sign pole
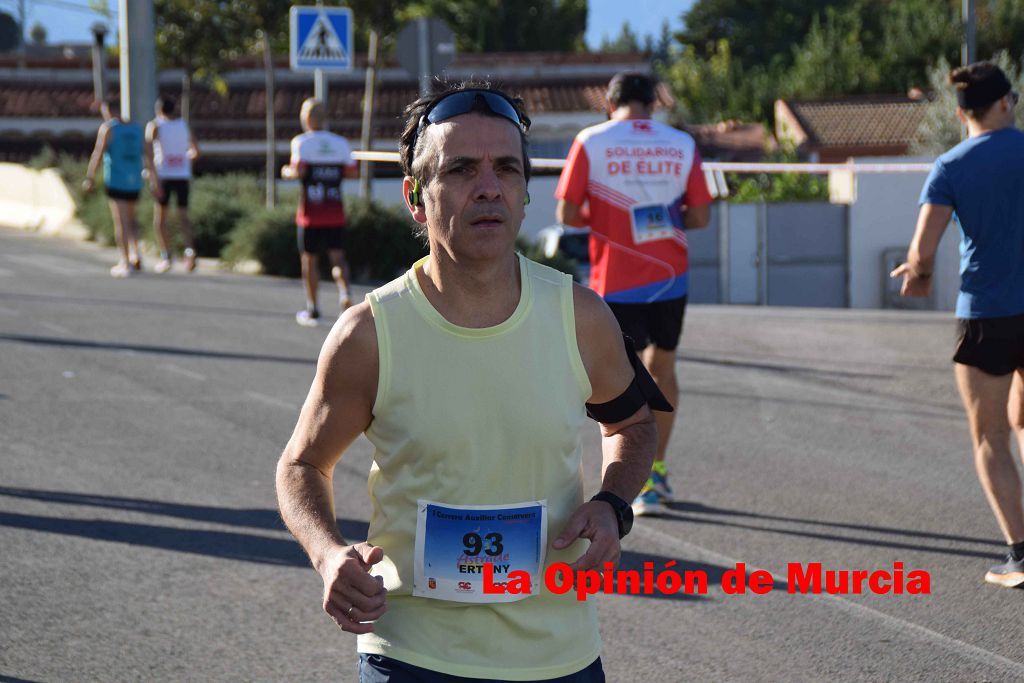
320,81
425,54
968,51
319,84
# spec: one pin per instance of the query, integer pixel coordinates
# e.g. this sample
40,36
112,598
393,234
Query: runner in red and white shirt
638,184
320,159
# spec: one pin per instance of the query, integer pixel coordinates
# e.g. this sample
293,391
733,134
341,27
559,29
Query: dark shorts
993,345
122,195
660,323
179,188
316,240
379,669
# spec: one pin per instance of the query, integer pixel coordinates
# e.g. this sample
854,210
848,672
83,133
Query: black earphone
414,194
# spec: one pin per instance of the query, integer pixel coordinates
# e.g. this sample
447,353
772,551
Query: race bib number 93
454,542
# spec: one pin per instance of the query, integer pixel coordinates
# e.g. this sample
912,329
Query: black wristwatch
623,512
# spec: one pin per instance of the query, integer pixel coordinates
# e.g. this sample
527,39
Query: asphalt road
140,421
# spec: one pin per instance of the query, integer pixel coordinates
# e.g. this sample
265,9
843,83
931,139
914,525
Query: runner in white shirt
320,160
171,148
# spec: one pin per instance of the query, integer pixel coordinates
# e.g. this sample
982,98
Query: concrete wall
35,200
883,216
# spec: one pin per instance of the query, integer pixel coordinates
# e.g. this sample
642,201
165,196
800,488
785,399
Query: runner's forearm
306,503
628,457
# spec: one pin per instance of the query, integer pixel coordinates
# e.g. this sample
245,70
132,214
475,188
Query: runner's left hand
595,521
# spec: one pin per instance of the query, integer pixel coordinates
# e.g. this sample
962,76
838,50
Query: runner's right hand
352,597
913,283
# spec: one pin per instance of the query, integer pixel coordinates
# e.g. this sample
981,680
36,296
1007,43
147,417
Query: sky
69,20
605,17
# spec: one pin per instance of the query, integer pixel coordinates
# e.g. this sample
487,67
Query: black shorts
122,195
993,345
659,323
177,187
315,240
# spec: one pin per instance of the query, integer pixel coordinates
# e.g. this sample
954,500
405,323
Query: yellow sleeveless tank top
478,417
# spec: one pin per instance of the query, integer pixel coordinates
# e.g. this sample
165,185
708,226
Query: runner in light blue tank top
122,160
119,148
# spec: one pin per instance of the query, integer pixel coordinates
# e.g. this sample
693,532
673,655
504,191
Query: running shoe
162,266
121,270
136,264
190,260
658,482
308,318
1010,574
647,503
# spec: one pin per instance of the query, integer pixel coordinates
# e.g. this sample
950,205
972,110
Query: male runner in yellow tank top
471,375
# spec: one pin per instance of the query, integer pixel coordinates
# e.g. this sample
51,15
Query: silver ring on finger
349,612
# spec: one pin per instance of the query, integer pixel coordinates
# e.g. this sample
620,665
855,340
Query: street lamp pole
138,60
99,62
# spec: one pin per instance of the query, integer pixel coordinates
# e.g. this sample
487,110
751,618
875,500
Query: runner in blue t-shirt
980,182
119,147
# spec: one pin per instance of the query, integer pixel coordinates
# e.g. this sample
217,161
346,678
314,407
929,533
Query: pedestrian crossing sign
321,38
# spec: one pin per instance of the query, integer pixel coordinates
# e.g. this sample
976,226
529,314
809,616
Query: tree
912,36
761,33
831,60
496,26
663,47
1001,27
10,32
718,87
200,38
38,34
627,41
819,48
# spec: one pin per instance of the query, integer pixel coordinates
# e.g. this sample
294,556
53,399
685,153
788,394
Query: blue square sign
321,38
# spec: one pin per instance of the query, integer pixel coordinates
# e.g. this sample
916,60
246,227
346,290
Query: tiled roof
547,81
61,99
866,121
67,100
732,141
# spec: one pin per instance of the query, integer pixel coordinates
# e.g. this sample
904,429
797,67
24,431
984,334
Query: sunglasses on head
463,102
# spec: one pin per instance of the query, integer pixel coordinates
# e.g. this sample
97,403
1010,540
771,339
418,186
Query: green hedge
380,244
231,223
218,204
266,236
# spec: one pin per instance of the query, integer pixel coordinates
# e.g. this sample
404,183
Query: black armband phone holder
642,390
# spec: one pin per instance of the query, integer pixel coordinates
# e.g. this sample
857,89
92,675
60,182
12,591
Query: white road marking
184,371
57,265
54,327
959,647
270,400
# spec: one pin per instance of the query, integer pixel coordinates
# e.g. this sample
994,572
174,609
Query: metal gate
787,254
